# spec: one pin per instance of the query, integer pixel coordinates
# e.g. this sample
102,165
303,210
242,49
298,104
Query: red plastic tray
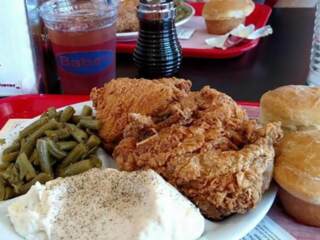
29,106
259,18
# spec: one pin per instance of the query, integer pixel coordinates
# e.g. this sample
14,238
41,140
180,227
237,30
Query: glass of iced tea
83,37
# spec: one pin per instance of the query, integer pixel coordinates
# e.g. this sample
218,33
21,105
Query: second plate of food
127,23
234,227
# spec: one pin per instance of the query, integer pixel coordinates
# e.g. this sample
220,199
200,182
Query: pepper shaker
158,51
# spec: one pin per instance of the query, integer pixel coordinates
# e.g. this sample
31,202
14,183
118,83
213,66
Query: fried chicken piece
127,20
217,157
118,98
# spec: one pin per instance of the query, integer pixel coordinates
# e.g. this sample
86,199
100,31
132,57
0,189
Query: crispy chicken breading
122,96
201,142
218,158
127,20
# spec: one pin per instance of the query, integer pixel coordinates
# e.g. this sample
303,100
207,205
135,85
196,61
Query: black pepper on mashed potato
106,204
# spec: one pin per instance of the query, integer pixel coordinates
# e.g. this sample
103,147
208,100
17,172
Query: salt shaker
158,51
314,74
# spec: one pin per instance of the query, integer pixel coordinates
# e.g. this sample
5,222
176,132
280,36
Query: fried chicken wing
122,96
212,152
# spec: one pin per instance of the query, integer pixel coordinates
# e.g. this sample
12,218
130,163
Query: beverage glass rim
98,8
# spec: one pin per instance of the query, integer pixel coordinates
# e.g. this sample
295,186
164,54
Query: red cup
83,38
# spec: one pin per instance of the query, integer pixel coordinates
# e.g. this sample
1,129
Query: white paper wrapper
17,66
185,33
237,35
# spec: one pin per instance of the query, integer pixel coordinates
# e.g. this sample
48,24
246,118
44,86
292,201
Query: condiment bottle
158,51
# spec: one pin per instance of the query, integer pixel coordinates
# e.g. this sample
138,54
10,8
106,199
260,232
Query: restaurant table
280,59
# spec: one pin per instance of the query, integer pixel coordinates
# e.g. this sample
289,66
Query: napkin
238,35
18,65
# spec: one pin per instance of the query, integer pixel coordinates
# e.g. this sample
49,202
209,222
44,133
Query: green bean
41,177
93,141
2,180
90,152
11,174
9,157
58,134
77,133
4,165
95,161
2,191
33,126
52,124
67,114
27,146
90,132
9,192
76,168
13,148
6,192
74,155
52,112
34,159
54,150
91,124
59,114
17,187
39,148
25,167
76,118
67,145
44,157
86,111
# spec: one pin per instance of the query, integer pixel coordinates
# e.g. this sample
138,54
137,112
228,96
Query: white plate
131,36
233,228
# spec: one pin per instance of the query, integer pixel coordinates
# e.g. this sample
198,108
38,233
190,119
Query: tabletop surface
280,59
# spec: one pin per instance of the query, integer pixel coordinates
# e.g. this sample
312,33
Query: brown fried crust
216,156
201,142
122,96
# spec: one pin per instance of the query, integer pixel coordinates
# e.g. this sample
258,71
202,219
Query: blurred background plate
185,7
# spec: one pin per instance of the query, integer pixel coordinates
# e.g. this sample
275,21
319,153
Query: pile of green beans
58,144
